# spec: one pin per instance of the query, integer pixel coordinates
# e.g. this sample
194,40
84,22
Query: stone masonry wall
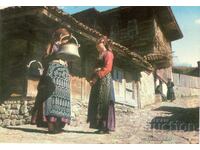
17,111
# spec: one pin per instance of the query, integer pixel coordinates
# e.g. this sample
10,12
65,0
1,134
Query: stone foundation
17,111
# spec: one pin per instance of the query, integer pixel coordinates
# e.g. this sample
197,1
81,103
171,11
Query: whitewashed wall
146,90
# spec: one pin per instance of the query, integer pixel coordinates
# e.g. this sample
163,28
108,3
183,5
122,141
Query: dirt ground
166,122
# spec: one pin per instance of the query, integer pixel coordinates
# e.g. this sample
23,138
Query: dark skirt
170,94
53,98
101,110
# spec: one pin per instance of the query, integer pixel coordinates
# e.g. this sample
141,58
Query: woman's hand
97,69
93,81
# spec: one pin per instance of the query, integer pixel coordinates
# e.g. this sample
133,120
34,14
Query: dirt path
166,122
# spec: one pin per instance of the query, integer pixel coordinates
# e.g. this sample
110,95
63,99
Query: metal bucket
37,72
69,51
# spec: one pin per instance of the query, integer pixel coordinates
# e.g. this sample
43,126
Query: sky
187,49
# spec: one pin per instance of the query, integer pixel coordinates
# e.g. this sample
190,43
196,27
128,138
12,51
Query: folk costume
101,110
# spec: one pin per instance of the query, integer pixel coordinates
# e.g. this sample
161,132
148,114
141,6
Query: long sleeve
108,61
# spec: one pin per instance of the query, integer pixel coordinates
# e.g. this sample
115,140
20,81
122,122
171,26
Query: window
117,74
119,88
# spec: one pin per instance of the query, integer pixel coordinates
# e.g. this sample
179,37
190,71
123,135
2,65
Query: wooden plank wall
161,43
186,81
125,87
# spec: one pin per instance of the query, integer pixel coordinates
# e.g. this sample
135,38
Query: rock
3,105
73,115
7,116
23,121
2,116
13,117
23,109
20,117
2,110
24,103
29,109
15,112
26,114
15,106
18,102
9,112
8,106
6,122
194,140
30,103
6,102
18,122
124,110
131,110
1,122
76,111
13,102
28,119
13,122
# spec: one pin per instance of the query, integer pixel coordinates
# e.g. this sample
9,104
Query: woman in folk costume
170,90
101,110
52,107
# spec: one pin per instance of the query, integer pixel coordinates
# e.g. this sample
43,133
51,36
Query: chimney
198,66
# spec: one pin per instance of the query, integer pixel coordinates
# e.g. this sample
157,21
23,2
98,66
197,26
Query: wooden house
148,31
141,39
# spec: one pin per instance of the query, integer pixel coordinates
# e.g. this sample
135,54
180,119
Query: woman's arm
48,50
108,61
46,54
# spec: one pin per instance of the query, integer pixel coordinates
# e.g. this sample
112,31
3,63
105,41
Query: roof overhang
78,27
169,23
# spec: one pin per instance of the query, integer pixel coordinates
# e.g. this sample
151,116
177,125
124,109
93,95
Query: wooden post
1,51
138,95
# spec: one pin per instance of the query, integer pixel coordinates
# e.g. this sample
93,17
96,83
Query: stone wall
146,90
17,111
